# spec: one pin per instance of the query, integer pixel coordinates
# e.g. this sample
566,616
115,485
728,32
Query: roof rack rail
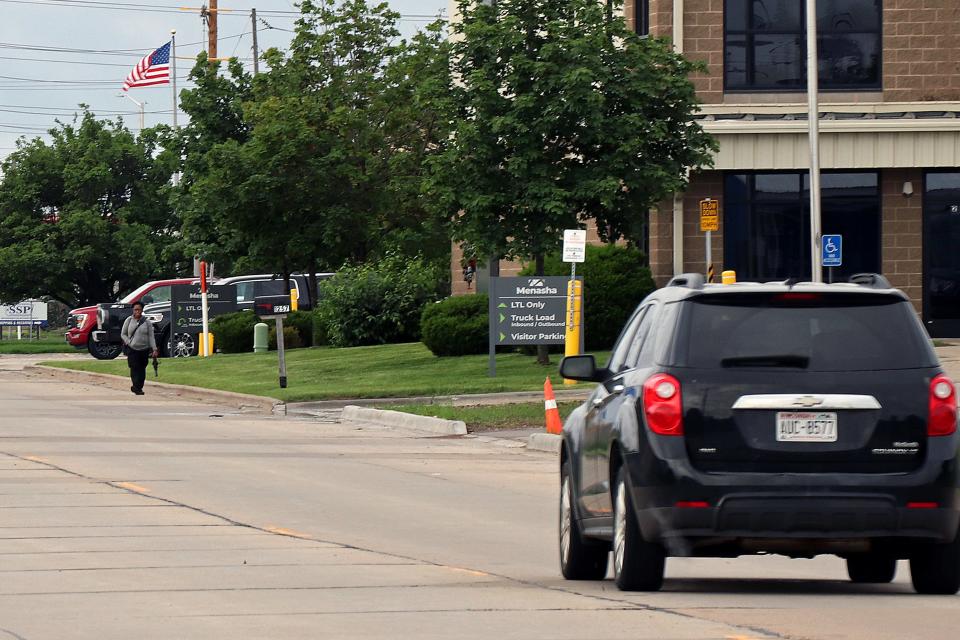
688,280
872,280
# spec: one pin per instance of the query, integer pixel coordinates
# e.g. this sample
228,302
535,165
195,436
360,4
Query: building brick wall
661,18
703,185
703,41
902,234
921,51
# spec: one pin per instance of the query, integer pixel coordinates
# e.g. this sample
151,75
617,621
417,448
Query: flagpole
173,72
173,83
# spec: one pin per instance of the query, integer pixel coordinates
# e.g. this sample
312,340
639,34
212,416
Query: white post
813,118
139,106
709,271
173,83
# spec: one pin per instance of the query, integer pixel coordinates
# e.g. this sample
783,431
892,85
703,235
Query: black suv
789,418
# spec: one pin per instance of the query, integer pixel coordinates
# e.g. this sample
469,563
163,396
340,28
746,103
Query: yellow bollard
574,321
206,345
294,300
729,277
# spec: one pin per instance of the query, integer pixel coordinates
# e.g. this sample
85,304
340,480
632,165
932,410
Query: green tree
216,116
564,115
86,216
327,166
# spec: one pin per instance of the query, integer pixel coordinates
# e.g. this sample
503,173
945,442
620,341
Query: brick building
890,141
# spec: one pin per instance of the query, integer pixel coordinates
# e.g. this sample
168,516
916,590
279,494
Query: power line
154,8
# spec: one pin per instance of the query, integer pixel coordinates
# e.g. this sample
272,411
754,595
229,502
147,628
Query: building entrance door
941,253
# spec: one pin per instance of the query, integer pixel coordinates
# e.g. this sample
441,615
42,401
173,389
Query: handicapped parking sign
831,251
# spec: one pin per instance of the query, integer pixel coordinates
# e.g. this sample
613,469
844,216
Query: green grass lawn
363,372
49,342
489,418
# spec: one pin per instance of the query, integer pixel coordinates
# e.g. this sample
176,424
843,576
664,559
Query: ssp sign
272,306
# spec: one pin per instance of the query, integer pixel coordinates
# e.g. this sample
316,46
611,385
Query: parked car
797,419
181,344
82,321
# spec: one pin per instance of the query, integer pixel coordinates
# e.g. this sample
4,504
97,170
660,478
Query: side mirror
581,368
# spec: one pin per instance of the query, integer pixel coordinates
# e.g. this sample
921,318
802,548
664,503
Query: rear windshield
816,332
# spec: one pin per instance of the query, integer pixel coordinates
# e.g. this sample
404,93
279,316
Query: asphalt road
126,517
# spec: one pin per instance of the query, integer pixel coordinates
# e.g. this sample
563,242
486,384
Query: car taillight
662,405
942,420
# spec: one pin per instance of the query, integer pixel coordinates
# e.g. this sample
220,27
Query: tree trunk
314,285
543,351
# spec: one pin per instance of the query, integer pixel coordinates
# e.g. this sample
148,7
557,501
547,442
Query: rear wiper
775,360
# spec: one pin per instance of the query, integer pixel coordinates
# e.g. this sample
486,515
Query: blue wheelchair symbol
831,254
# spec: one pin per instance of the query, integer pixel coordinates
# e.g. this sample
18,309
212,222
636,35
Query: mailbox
272,306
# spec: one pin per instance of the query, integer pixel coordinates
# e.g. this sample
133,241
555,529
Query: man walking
139,344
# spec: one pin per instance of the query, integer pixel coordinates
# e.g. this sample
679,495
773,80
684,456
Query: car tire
871,568
637,564
579,559
103,350
935,569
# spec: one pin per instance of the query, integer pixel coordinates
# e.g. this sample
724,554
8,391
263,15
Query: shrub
456,326
291,338
233,332
320,337
615,280
302,321
377,303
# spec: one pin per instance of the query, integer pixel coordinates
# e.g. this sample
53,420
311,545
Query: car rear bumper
924,505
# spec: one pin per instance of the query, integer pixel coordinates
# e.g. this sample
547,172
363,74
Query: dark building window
641,17
766,223
765,45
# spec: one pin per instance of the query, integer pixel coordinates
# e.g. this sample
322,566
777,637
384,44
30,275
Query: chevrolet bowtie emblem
807,401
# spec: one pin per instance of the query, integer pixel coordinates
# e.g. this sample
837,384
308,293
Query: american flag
152,70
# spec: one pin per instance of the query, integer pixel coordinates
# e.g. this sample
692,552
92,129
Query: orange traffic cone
554,424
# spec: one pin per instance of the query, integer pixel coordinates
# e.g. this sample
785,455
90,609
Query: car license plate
806,427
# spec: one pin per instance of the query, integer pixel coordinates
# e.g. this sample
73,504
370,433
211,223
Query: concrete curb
549,442
229,398
462,400
400,420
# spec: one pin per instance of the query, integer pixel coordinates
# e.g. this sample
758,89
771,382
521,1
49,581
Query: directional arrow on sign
502,305
502,337
502,317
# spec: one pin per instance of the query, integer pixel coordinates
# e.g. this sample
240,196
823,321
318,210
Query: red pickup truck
82,322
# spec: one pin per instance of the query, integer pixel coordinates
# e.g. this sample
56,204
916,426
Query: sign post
831,253
574,251
276,308
205,335
527,311
709,222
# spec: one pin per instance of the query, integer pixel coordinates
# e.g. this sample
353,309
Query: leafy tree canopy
323,162
563,115
85,217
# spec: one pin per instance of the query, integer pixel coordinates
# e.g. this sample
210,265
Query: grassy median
321,373
489,417
49,342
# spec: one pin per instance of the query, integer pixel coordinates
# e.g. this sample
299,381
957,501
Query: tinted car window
619,354
643,338
811,331
160,294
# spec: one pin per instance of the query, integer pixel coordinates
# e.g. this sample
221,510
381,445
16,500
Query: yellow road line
289,532
132,487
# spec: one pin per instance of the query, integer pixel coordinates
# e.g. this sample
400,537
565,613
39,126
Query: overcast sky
41,82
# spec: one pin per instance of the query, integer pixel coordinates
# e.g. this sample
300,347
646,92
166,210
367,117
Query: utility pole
212,31
813,119
256,49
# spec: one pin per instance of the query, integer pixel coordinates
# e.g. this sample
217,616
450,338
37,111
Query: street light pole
139,106
813,118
